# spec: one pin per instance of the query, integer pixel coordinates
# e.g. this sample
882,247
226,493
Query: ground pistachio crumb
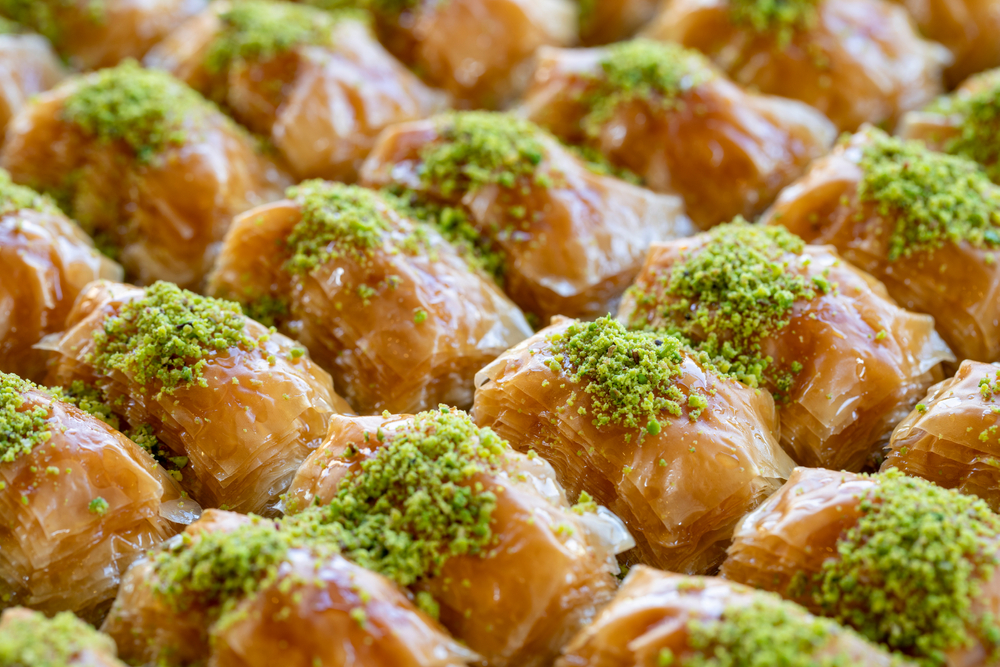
21,427
979,131
261,30
909,570
89,399
631,376
98,506
166,336
144,108
585,504
268,310
42,15
727,295
337,220
934,198
989,386
385,7
479,148
642,69
410,506
781,17
36,641
14,198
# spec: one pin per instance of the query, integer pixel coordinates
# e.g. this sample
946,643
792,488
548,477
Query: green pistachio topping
32,640
768,631
42,15
979,131
631,376
989,386
385,7
413,504
146,109
479,148
8,27
782,17
337,220
909,570
87,398
640,69
166,337
732,292
934,198
260,30
14,198
21,426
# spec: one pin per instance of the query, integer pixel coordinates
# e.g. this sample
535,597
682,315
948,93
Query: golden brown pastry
969,28
79,502
28,66
29,639
318,84
906,563
681,454
145,165
604,21
927,225
952,437
241,591
244,405
562,238
658,618
667,115
857,61
483,535
844,363
382,302
92,34
965,123
45,261
478,50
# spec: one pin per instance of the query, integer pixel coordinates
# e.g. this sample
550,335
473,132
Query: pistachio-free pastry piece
952,437
244,405
79,502
28,638
383,302
479,51
857,61
659,618
317,83
239,591
906,563
666,114
679,452
146,165
562,238
45,261
842,360
28,66
969,28
92,34
965,123
926,224
604,21
482,535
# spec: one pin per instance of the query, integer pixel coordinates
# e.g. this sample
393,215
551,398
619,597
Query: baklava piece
904,562
79,502
483,536
28,66
927,225
92,34
857,61
147,166
480,51
45,261
680,453
562,238
242,404
383,302
28,639
843,362
317,83
667,115
238,591
661,619
952,437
